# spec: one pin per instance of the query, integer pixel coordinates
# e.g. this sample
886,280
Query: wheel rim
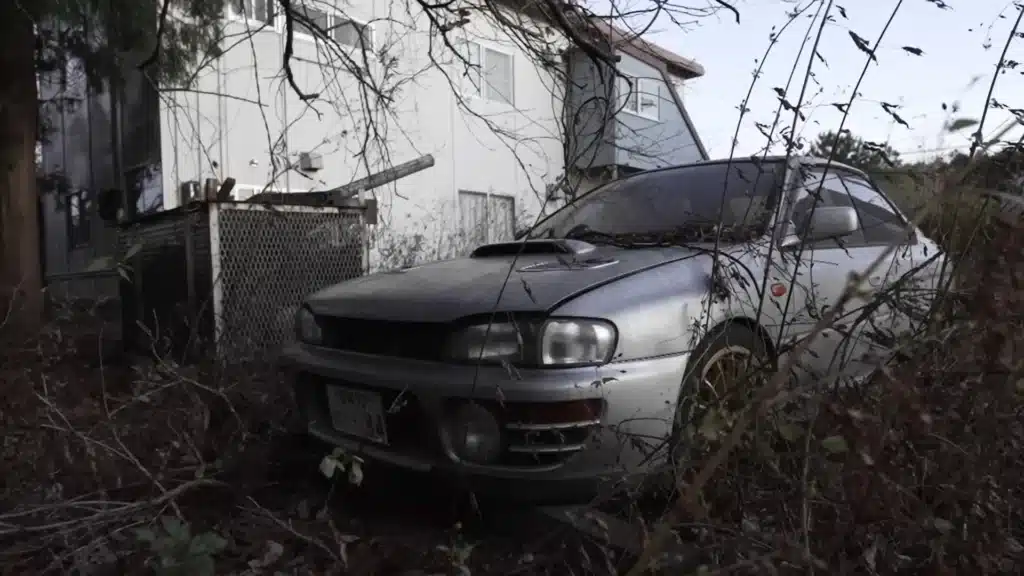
725,374
725,379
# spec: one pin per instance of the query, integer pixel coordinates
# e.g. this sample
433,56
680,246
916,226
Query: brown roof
628,42
632,44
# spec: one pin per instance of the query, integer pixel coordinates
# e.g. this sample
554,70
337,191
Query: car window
879,220
817,193
741,195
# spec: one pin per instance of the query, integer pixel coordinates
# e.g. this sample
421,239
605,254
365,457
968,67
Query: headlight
307,329
572,342
556,342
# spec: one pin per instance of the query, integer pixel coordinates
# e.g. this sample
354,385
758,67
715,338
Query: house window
78,221
260,11
326,22
640,96
309,21
486,218
352,33
488,73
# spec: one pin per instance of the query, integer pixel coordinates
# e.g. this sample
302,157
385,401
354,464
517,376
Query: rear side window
879,219
816,193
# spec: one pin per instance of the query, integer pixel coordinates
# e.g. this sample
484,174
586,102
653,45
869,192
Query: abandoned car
555,363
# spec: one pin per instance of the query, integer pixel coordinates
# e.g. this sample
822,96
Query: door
905,300
817,274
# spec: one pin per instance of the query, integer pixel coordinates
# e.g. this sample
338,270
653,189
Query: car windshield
675,200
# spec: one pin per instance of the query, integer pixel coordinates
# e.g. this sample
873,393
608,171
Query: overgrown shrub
177,469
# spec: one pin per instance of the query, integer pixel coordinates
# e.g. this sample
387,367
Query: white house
380,85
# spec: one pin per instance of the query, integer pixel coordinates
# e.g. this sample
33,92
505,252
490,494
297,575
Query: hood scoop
571,248
585,264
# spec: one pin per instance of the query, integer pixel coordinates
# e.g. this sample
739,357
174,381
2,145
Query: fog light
475,434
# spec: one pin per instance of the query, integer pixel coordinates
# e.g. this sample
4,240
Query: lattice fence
266,259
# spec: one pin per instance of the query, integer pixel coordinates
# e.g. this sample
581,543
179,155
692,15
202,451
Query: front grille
539,434
414,340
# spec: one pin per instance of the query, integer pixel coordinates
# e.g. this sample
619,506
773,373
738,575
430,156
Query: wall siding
628,140
232,134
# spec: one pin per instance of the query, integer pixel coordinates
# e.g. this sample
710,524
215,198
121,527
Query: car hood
447,290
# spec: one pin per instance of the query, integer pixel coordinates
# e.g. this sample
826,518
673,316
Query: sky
960,46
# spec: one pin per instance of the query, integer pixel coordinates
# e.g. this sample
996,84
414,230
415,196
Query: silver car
549,366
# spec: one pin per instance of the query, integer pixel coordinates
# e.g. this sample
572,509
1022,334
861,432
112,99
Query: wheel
725,370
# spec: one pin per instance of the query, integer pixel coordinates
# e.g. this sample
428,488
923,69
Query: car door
906,290
818,275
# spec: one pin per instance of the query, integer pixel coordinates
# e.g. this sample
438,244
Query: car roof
806,160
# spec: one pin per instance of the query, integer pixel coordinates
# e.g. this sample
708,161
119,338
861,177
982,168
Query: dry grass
917,471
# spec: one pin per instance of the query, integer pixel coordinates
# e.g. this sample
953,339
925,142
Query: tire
725,338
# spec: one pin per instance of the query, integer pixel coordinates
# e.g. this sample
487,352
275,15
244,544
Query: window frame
277,22
297,33
635,85
775,176
902,221
860,239
77,205
487,196
483,92
233,15
333,15
819,185
367,31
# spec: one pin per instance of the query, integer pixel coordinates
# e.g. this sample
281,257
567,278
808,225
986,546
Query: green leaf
145,535
960,124
175,528
206,543
835,445
202,566
790,432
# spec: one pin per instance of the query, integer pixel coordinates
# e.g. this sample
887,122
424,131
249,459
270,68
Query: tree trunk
20,266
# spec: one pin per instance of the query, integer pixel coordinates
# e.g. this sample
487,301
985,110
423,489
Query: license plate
357,412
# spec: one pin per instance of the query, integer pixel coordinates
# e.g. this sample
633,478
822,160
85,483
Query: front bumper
554,450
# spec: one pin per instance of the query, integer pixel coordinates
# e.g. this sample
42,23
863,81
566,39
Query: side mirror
831,222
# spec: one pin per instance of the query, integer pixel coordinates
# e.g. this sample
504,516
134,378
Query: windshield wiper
692,233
